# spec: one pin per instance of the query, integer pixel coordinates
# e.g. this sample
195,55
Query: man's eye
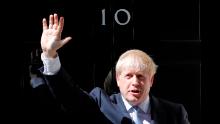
141,77
128,76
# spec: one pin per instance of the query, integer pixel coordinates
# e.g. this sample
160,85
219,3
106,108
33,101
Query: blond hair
138,59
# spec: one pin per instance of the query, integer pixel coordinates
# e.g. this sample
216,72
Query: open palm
51,37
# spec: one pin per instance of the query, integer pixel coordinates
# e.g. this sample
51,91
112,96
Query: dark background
168,30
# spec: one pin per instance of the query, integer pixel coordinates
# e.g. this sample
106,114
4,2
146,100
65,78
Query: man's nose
135,80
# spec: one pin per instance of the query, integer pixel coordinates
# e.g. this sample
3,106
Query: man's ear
117,79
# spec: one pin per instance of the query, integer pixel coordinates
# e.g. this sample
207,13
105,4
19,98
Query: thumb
66,40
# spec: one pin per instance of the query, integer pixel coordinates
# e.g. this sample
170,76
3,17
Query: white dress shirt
51,65
145,116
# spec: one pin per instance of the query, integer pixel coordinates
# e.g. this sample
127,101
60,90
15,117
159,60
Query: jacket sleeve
73,101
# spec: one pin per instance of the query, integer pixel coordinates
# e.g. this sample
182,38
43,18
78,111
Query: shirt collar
144,106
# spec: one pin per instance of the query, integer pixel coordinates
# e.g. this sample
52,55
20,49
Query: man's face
134,84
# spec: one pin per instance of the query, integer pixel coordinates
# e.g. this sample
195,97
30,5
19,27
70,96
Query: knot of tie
139,116
138,110
136,118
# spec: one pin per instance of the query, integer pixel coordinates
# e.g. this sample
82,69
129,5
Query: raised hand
51,37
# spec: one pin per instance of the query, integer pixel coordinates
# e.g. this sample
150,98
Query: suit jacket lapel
121,106
125,117
157,112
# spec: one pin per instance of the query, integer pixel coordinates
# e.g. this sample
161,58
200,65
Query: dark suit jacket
98,107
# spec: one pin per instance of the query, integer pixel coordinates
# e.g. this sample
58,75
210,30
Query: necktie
135,115
140,117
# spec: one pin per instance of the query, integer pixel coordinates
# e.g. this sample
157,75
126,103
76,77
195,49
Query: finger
55,21
61,24
66,40
44,24
51,22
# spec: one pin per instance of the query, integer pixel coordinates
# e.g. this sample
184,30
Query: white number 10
116,17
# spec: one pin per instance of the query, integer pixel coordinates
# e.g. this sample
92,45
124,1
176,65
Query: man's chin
134,99
135,95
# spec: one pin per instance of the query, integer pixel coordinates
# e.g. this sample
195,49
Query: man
135,72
